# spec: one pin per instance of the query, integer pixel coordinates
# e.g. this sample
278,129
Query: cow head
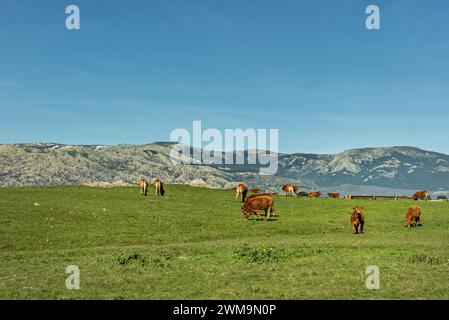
358,211
246,214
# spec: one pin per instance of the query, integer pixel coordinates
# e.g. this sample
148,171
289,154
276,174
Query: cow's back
258,202
413,212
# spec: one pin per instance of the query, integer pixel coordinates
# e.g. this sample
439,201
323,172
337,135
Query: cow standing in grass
290,189
159,187
423,195
314,194
332,195
255,203
412,217
143,185
357,219
241,190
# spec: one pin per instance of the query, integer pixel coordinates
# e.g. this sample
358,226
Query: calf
290,189
314,194
159,187
241,191
143,185
255,203
332,195
357,219
412,216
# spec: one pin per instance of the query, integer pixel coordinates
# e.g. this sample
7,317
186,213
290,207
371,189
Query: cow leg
361,228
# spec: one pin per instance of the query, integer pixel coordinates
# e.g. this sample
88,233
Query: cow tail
244,195
162,189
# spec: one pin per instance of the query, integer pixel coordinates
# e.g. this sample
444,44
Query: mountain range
389,171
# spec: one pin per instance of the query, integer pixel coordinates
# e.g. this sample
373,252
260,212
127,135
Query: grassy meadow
195,244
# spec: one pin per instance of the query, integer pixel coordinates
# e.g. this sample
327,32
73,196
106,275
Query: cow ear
363,207
353,208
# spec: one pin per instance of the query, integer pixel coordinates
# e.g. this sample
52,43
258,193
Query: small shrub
136,259
422,258
254,255
163,259
131,258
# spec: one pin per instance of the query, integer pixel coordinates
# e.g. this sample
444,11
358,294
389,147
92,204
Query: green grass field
195,244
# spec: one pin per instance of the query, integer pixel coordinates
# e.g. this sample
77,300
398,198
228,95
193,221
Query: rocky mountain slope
394,167
383,170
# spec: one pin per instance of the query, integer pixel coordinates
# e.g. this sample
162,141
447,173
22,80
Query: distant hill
393,170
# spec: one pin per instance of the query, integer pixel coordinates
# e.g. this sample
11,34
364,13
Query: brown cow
424,195
333,195
241,191
255,203
143,185
159,186
357,219
314,194
255,190
290,189
261,195
412,217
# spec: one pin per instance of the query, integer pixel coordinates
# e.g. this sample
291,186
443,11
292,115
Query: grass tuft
257,255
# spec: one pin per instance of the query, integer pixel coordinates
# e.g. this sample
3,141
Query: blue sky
139,69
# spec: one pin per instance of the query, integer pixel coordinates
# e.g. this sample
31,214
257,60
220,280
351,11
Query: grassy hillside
195,244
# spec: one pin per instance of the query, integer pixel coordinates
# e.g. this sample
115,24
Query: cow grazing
261,195
423,195
314,194
348,197
143,185
290,189
241,191
255,190
159,186
412,217
255,203
357,219
332,195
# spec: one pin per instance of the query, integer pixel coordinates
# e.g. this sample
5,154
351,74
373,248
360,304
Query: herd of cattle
264,202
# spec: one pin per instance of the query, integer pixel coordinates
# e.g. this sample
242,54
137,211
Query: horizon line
189,145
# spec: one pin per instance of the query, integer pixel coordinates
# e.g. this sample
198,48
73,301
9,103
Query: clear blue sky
139,69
